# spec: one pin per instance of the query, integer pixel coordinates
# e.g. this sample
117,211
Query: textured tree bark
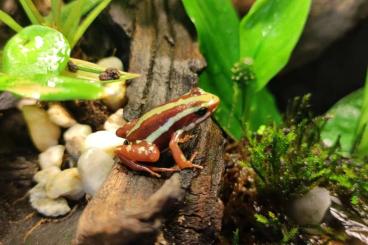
133,207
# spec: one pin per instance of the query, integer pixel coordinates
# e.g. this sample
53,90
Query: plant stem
88,21
34,16
56,12
9,21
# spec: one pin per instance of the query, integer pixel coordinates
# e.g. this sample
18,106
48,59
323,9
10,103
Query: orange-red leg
178,155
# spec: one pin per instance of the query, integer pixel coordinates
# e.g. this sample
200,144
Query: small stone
67,183
115,91
53,156
114,95
114,121
94,166
60,116
46,206
311,208
111,62
44,133
77,130
75,138
44,175
104,140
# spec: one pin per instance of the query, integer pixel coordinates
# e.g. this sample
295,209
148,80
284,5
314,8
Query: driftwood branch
133,207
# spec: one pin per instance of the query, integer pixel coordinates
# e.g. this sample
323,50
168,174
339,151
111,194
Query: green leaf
51,87
35,50
55,12
9,21
261,219
217,26
72,21
361,129
269,33
88,21
344,120
34,16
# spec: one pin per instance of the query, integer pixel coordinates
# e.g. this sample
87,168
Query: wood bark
131,207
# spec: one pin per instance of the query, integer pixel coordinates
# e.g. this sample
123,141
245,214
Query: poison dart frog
162,128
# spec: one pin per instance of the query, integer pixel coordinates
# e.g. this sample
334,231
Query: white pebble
104,140
53,156
67,183
46,206
44,133
74,139
43,176
60,116
111,62
78,130
94,166
114,95
311,208
114,121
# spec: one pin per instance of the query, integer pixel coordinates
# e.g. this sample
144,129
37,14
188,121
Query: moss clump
273,166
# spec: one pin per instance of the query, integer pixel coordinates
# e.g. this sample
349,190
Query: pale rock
75,137
111,62
104,140
94,166
67,184
60,116
53,156
115,91
46,206
77,130
43,132
114,121
43,176
311,208
114,95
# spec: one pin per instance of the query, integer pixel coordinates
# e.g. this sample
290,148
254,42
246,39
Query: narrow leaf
88,21
34,16
9,21
51,87
56,11
217,27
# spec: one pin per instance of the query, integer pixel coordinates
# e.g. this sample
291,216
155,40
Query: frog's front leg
177,153
139,151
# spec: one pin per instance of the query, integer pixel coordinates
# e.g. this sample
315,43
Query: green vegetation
66,18
347,125
34,61
243,55
290,159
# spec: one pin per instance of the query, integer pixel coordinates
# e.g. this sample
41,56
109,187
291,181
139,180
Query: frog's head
198,105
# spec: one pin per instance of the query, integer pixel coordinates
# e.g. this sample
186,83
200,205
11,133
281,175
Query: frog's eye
201,112
126,142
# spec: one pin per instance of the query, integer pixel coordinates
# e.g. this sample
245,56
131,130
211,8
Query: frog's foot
191,161
185,138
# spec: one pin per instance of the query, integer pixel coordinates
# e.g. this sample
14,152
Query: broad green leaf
344,120
217,27
35,50
269,33
51,87
361,129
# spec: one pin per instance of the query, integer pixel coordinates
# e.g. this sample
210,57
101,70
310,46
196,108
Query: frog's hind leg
135,166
